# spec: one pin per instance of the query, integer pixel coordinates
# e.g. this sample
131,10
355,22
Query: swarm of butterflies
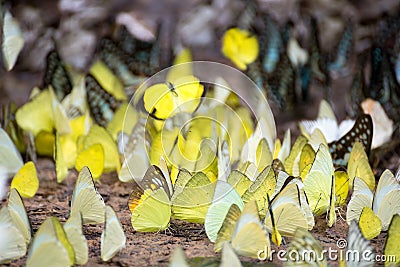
204,162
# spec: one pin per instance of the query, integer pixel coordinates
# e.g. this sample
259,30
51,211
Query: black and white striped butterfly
57,76
102,104
362,131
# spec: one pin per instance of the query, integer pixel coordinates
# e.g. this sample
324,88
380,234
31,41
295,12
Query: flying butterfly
57,76
102,104
362,131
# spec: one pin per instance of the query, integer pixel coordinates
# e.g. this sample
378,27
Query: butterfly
283,180
57,76
86,200
244,231
344,49
357,242
391,247
327,123
383,202
370,224
93,158
74,233
26,180
19,215
319,185
135,148
284,214
303,243
13,245
383,127
362,131
224,196
240,46
264,184
10,158
12,39
102,104
192,198
164,100
239,181
99,135
113,238
9,124
358,166
50,246
116,60
149,201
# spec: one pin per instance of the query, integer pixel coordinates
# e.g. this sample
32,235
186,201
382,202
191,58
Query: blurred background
74,28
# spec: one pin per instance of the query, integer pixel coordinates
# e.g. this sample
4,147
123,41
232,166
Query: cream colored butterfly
113,238
86,200
384,202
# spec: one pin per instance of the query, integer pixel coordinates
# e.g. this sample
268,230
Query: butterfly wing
357,242
50,246
286,211
224,196
13,244
362,131
73,230
113,238
10,158
358,166
386,197
250,236
18,214
303,243
193,202
151,211
362,197
102,104
12,41
86,200
370,224
392,245
57,76
26,180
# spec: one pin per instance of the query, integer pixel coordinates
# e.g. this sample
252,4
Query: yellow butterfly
150,202
26,180
192,200
264,184
319,185
391,248
164,100
50,246
240,46
358,166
